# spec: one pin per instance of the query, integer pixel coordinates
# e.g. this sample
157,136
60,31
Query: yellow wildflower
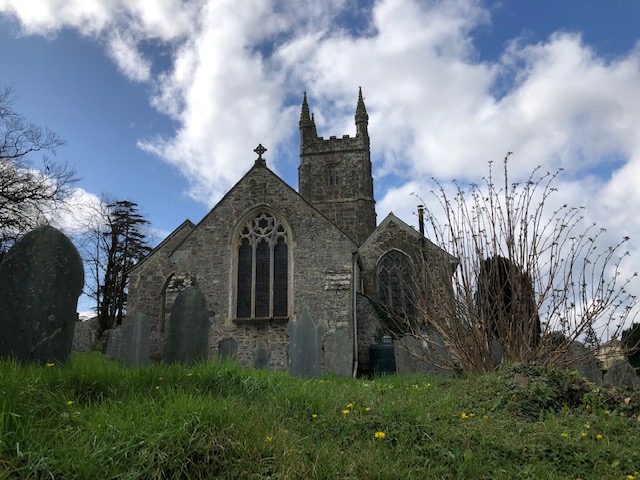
269,438
349,405
314,415
379,435
69,402
157,387
367,409
464,415
345,411
599,437
583,434
631,477
564,435
50,364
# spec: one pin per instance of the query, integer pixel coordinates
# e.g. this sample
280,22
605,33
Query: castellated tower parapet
335,174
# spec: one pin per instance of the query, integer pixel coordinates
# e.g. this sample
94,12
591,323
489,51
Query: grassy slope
97,420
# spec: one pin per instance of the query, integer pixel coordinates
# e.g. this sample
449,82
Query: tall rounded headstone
187,337
41,278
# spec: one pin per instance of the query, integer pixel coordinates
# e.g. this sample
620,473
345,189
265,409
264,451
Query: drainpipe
421,224
354,283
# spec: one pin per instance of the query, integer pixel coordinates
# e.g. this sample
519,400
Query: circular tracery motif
264,226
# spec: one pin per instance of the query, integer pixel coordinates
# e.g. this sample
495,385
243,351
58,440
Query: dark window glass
263,263
245,253
263,277
394,282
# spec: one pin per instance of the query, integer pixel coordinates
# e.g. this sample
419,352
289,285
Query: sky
162,102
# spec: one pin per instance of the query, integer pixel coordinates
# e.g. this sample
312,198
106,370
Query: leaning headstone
261,356
227,348
621,374
305,350
41,278
136,334
187,337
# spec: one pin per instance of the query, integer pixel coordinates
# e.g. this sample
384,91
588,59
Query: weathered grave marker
187,337
41,278
136,333
305,350
227,348
261,356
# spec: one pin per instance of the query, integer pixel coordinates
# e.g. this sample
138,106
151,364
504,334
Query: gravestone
187,337
261,356
305,349
85,335
227,348
621,374
338,347
41,278
584,361
136,331
115,344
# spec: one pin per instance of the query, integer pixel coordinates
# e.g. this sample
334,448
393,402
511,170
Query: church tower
335,174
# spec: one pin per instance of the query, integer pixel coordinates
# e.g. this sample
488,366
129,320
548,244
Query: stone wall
432,267
320,272
147,281
335,176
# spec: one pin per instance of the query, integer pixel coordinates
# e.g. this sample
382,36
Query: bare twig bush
530,278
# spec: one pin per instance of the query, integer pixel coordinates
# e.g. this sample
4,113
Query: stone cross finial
260,150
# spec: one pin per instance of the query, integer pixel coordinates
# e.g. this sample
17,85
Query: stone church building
296,280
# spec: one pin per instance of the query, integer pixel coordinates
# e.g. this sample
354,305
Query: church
299,281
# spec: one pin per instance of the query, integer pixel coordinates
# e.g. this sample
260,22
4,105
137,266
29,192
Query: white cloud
239,68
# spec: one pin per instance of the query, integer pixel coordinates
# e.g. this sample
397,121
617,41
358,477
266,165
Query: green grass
95,419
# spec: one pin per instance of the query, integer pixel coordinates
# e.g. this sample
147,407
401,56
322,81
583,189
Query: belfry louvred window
263,268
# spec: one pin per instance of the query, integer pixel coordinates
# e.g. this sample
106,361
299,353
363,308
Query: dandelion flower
367,409
345,411
564,435
464,415
50,364
379,435
599,437
314,415
631,477
269,438
583,434
349,405
69,402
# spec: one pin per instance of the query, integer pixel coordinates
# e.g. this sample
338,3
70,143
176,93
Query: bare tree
28,196
117,239
563,285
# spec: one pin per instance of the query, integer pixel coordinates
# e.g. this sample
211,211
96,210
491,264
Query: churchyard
95,418
117,415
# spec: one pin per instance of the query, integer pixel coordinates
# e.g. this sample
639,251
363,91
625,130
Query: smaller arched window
395,282
262,288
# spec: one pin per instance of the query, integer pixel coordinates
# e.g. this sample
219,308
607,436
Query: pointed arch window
395,282
262,288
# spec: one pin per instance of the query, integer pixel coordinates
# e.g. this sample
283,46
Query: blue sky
162,103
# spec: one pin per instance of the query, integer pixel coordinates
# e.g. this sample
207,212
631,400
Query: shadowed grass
95,419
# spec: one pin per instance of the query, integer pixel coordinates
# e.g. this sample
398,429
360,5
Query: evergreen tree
123,243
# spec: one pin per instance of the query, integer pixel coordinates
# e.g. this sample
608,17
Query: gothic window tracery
262,268
395,282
